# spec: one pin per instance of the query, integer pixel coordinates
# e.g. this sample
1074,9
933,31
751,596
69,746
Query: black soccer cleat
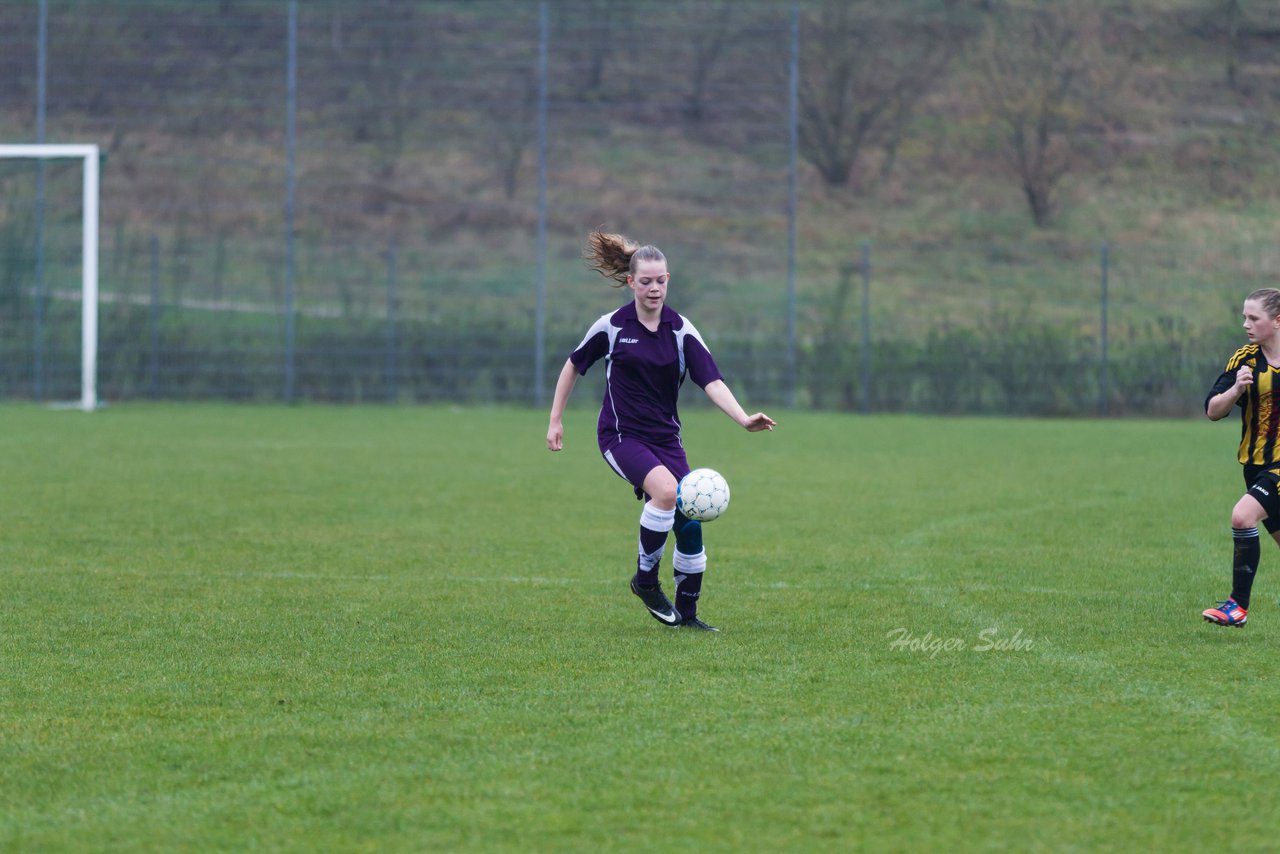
695,623
657,603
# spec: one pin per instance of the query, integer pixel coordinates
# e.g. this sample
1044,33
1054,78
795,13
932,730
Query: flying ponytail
615,256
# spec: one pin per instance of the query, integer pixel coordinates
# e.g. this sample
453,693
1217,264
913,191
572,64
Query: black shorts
1263,483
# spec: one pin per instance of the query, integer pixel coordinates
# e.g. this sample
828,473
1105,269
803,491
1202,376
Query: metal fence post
1104,369
291,133
540,314
42,53
866,327
153,362
793,144
393,390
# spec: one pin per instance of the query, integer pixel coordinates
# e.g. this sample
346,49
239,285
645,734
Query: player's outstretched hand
759,421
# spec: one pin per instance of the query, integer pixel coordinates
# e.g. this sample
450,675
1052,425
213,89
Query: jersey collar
669,314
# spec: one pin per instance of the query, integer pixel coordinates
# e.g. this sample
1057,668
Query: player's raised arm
722,397
564,387
1219,406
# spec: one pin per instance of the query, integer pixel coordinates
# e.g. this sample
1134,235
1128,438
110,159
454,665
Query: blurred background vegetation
998,163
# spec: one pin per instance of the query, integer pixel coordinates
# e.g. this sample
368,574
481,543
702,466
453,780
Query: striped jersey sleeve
1245,355
695,357
595,345
1259,405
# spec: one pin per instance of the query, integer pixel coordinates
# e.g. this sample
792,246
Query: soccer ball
702,495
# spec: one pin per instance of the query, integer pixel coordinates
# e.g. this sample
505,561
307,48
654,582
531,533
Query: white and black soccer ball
702,495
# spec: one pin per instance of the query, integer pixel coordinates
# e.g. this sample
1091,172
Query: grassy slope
1188,180
409,628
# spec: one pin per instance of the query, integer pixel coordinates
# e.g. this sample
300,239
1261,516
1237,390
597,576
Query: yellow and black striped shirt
1259,405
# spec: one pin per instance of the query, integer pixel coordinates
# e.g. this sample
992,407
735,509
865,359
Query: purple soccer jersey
643,374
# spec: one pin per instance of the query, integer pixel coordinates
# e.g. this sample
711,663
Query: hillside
417,135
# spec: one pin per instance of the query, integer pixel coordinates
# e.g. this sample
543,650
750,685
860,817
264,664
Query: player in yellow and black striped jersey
1251,381
1259,412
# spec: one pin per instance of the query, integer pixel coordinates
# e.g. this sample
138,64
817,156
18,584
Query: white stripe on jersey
608,384
687,329
602,324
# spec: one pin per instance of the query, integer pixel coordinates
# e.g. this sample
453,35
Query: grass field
409,629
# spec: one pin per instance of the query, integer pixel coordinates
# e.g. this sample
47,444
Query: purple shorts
633,459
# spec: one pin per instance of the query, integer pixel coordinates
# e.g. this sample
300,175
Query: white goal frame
89,257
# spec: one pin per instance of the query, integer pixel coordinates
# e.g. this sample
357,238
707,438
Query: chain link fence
362,202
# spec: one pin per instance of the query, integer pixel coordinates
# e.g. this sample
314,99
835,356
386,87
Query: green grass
408,629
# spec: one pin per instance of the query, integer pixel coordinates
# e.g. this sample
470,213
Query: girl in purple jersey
648,349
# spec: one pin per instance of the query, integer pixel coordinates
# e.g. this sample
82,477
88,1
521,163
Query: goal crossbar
89,264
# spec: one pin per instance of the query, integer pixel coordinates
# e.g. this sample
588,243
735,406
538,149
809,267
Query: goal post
89,260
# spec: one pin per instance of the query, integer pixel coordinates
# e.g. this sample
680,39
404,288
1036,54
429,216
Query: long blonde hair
615,256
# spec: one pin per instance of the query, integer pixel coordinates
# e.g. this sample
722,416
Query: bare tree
380,92
1246,29
707,42
510,120
590,34
1051,80
1233,15
865,66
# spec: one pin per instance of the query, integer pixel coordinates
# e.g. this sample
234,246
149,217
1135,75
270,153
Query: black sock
688,589
1244,564
655,524
652,545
